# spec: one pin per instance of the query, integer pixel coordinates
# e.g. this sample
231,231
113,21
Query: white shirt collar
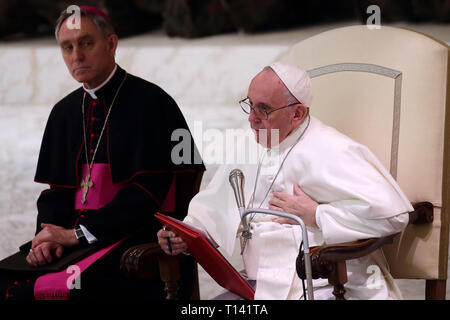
92,91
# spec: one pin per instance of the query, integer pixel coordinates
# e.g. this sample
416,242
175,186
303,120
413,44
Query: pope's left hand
299,204
51,232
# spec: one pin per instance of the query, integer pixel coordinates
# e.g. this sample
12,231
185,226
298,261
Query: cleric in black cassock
115,128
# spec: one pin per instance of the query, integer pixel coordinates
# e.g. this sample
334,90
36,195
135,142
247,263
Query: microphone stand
237,179
308,269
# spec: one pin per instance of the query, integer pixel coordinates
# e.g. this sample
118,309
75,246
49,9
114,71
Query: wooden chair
389,90
148,261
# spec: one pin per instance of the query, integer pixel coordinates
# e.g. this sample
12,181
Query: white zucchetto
296,80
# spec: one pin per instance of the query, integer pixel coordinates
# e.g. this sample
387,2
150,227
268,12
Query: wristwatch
79,234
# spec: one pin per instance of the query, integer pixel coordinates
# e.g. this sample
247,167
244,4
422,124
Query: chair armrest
141,261
150,262
350,250
324,258
423,213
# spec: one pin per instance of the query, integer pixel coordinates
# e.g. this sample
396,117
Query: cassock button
92,151
93,135
94,103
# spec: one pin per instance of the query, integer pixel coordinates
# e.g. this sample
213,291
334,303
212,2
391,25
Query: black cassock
137,144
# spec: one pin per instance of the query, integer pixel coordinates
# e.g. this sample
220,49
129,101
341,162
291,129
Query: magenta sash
56,286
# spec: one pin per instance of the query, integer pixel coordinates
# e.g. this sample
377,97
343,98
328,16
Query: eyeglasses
260,111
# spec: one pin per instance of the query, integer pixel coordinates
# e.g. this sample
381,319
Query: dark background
200,18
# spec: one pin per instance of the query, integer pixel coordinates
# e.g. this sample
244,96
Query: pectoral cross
246,235
86,184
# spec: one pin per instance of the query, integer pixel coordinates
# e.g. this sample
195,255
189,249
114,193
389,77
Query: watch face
79,233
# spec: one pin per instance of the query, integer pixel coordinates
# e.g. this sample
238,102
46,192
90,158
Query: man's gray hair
105,28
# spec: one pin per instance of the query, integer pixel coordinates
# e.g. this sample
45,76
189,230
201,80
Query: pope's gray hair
105,28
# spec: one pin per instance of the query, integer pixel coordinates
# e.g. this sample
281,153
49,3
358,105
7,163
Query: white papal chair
388,89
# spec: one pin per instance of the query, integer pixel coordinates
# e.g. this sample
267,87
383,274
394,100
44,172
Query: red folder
204,252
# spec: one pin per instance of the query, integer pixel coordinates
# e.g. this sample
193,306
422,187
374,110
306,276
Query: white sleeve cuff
89,236
319,224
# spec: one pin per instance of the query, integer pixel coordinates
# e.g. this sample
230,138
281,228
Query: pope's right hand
176,243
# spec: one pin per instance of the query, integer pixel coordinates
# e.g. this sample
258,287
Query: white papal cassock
357,198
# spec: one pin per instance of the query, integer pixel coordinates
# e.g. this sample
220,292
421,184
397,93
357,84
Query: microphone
237,181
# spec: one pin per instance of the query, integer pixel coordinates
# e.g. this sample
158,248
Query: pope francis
334,184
